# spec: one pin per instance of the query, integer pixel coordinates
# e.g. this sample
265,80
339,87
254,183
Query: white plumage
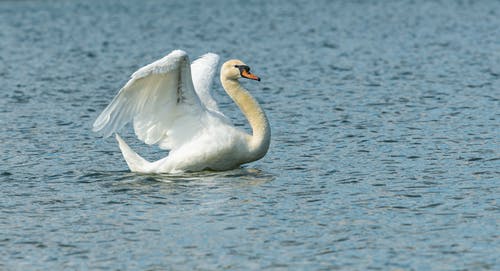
170,104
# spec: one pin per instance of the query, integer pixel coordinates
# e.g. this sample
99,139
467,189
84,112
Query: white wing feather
203,71
161,101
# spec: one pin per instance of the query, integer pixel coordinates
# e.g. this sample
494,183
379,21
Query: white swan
177,112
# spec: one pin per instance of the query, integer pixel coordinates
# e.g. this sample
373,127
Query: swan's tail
134,161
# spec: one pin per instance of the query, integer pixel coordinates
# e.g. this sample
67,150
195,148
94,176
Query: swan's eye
242,68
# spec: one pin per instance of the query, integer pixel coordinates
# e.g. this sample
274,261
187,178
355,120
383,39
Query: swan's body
170,108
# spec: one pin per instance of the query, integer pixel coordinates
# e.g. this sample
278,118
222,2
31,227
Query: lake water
385,151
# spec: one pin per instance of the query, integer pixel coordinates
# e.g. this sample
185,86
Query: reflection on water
241,177
384,153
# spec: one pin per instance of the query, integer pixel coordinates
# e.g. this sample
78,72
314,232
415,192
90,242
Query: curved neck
261,131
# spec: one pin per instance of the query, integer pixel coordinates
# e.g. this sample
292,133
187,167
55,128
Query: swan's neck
258,142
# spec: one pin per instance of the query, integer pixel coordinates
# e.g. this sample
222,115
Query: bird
170,104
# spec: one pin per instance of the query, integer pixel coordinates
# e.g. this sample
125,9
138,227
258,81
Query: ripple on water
384,153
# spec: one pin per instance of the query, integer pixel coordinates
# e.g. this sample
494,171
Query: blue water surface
385,149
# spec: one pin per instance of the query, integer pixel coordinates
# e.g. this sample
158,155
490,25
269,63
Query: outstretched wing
203,70
161,101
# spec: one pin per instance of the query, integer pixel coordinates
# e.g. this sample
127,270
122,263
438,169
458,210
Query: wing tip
211,57
100,124
208,56
165,64
178,52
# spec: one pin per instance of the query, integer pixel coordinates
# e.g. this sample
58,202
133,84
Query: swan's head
235,69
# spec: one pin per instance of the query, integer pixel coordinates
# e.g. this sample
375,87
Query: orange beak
249,75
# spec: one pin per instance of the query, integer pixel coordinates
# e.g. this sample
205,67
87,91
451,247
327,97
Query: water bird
170,104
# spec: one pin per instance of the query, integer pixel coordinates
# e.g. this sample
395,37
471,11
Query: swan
170,104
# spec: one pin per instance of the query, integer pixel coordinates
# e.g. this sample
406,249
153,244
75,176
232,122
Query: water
385,149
